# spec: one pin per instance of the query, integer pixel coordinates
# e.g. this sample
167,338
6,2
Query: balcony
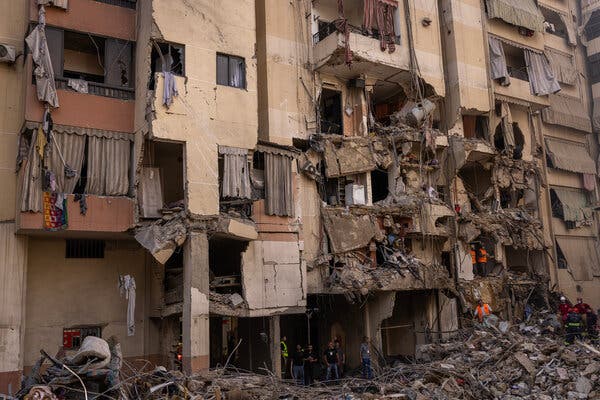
519,91
367,57
105,216
111,18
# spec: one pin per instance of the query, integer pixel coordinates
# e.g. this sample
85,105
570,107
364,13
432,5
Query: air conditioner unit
8,53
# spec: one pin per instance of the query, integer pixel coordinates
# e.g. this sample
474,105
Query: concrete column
275,333
13,270
196,332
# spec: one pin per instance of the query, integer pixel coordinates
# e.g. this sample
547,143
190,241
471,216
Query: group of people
578,320
305,364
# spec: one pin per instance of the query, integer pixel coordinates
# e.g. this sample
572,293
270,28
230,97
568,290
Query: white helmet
563,298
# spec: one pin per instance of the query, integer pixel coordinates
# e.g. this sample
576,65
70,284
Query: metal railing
101,89
121,3
328,28
518,73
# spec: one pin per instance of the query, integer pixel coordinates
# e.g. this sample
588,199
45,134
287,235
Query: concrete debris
476,363
348,157
163,236
347,231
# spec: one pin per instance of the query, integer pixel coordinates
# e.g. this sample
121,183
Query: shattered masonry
196,181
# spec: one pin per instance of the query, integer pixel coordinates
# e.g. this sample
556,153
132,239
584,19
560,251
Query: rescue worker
592,328
482,259
284,355
563,308
331,360
573,326
474,259
581,307
482,310
298,365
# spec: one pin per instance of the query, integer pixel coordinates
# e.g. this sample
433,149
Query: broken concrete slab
351,156
347,231
163,236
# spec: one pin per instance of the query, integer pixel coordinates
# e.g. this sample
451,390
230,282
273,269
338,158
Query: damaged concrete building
200,179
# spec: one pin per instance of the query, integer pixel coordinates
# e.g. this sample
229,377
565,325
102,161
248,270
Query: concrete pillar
13,270
196,332
275,332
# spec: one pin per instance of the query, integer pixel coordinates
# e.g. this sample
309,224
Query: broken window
330,111
478,183
173,281
161,186
231,71
225,261
475,126
519,139
324,29
559,24
172,55
92,64
84,248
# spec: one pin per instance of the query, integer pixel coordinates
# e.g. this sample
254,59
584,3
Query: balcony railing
518,73
326,29
121,3
101,89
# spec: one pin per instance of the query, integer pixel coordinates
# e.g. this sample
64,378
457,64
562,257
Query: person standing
563,309
482,311
341,357
365,357
284,355
298,365
482,259
310,360
573,326
331,360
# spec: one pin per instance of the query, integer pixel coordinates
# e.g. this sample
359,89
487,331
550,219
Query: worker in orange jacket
474,259
482,310
482,259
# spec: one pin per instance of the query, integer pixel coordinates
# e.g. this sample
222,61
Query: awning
570,156
279,149
78,130
563,66
567,111
541,76
574,204
523,13
582,255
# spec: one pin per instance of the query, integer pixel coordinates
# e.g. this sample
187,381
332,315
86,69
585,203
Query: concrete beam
275,332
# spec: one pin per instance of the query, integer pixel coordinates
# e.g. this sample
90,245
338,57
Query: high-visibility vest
483,311
482,256
473,257
284,349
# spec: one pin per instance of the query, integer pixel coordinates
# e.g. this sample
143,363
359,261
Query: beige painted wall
13,25
205,114
67,292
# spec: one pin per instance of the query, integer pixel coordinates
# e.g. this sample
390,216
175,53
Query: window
106,64
475,126
85,248
231,71
121,3
173,55
594,68
330,111
515,62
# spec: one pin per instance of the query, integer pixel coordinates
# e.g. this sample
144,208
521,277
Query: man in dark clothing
573,326
331,359
592,329
298,365
310,360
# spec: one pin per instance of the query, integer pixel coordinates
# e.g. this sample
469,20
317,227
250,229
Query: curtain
72,148
499,70
507,125
278,185
108,166
568,21
523,13
236,72
43,72
563,66
236,179
541,77
31,189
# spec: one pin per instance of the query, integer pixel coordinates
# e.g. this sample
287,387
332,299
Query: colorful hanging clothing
55,218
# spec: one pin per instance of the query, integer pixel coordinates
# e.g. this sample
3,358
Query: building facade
200,180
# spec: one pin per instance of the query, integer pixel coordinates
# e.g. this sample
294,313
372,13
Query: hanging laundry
55,218
170,88
81,198
127,288
41,142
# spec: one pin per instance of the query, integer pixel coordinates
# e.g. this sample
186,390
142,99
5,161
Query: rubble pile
528,361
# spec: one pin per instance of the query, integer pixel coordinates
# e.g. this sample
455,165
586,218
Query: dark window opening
173,58
554,23
121,3
447,262
231,71
379,185
592,28
257,175
333,190
324,29
522,261
84,57
173,282
475,126
499,140
82,181
510,198
515,61
593,62
561,261
73,337
330,111
386,99
84,248
478,184
557,208
225,261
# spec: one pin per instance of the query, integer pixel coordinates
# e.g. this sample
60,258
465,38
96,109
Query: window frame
229,58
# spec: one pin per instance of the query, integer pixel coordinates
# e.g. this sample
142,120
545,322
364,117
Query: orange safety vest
473,257
483,311
482,256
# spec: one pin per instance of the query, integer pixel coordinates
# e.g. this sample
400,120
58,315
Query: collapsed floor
523,361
